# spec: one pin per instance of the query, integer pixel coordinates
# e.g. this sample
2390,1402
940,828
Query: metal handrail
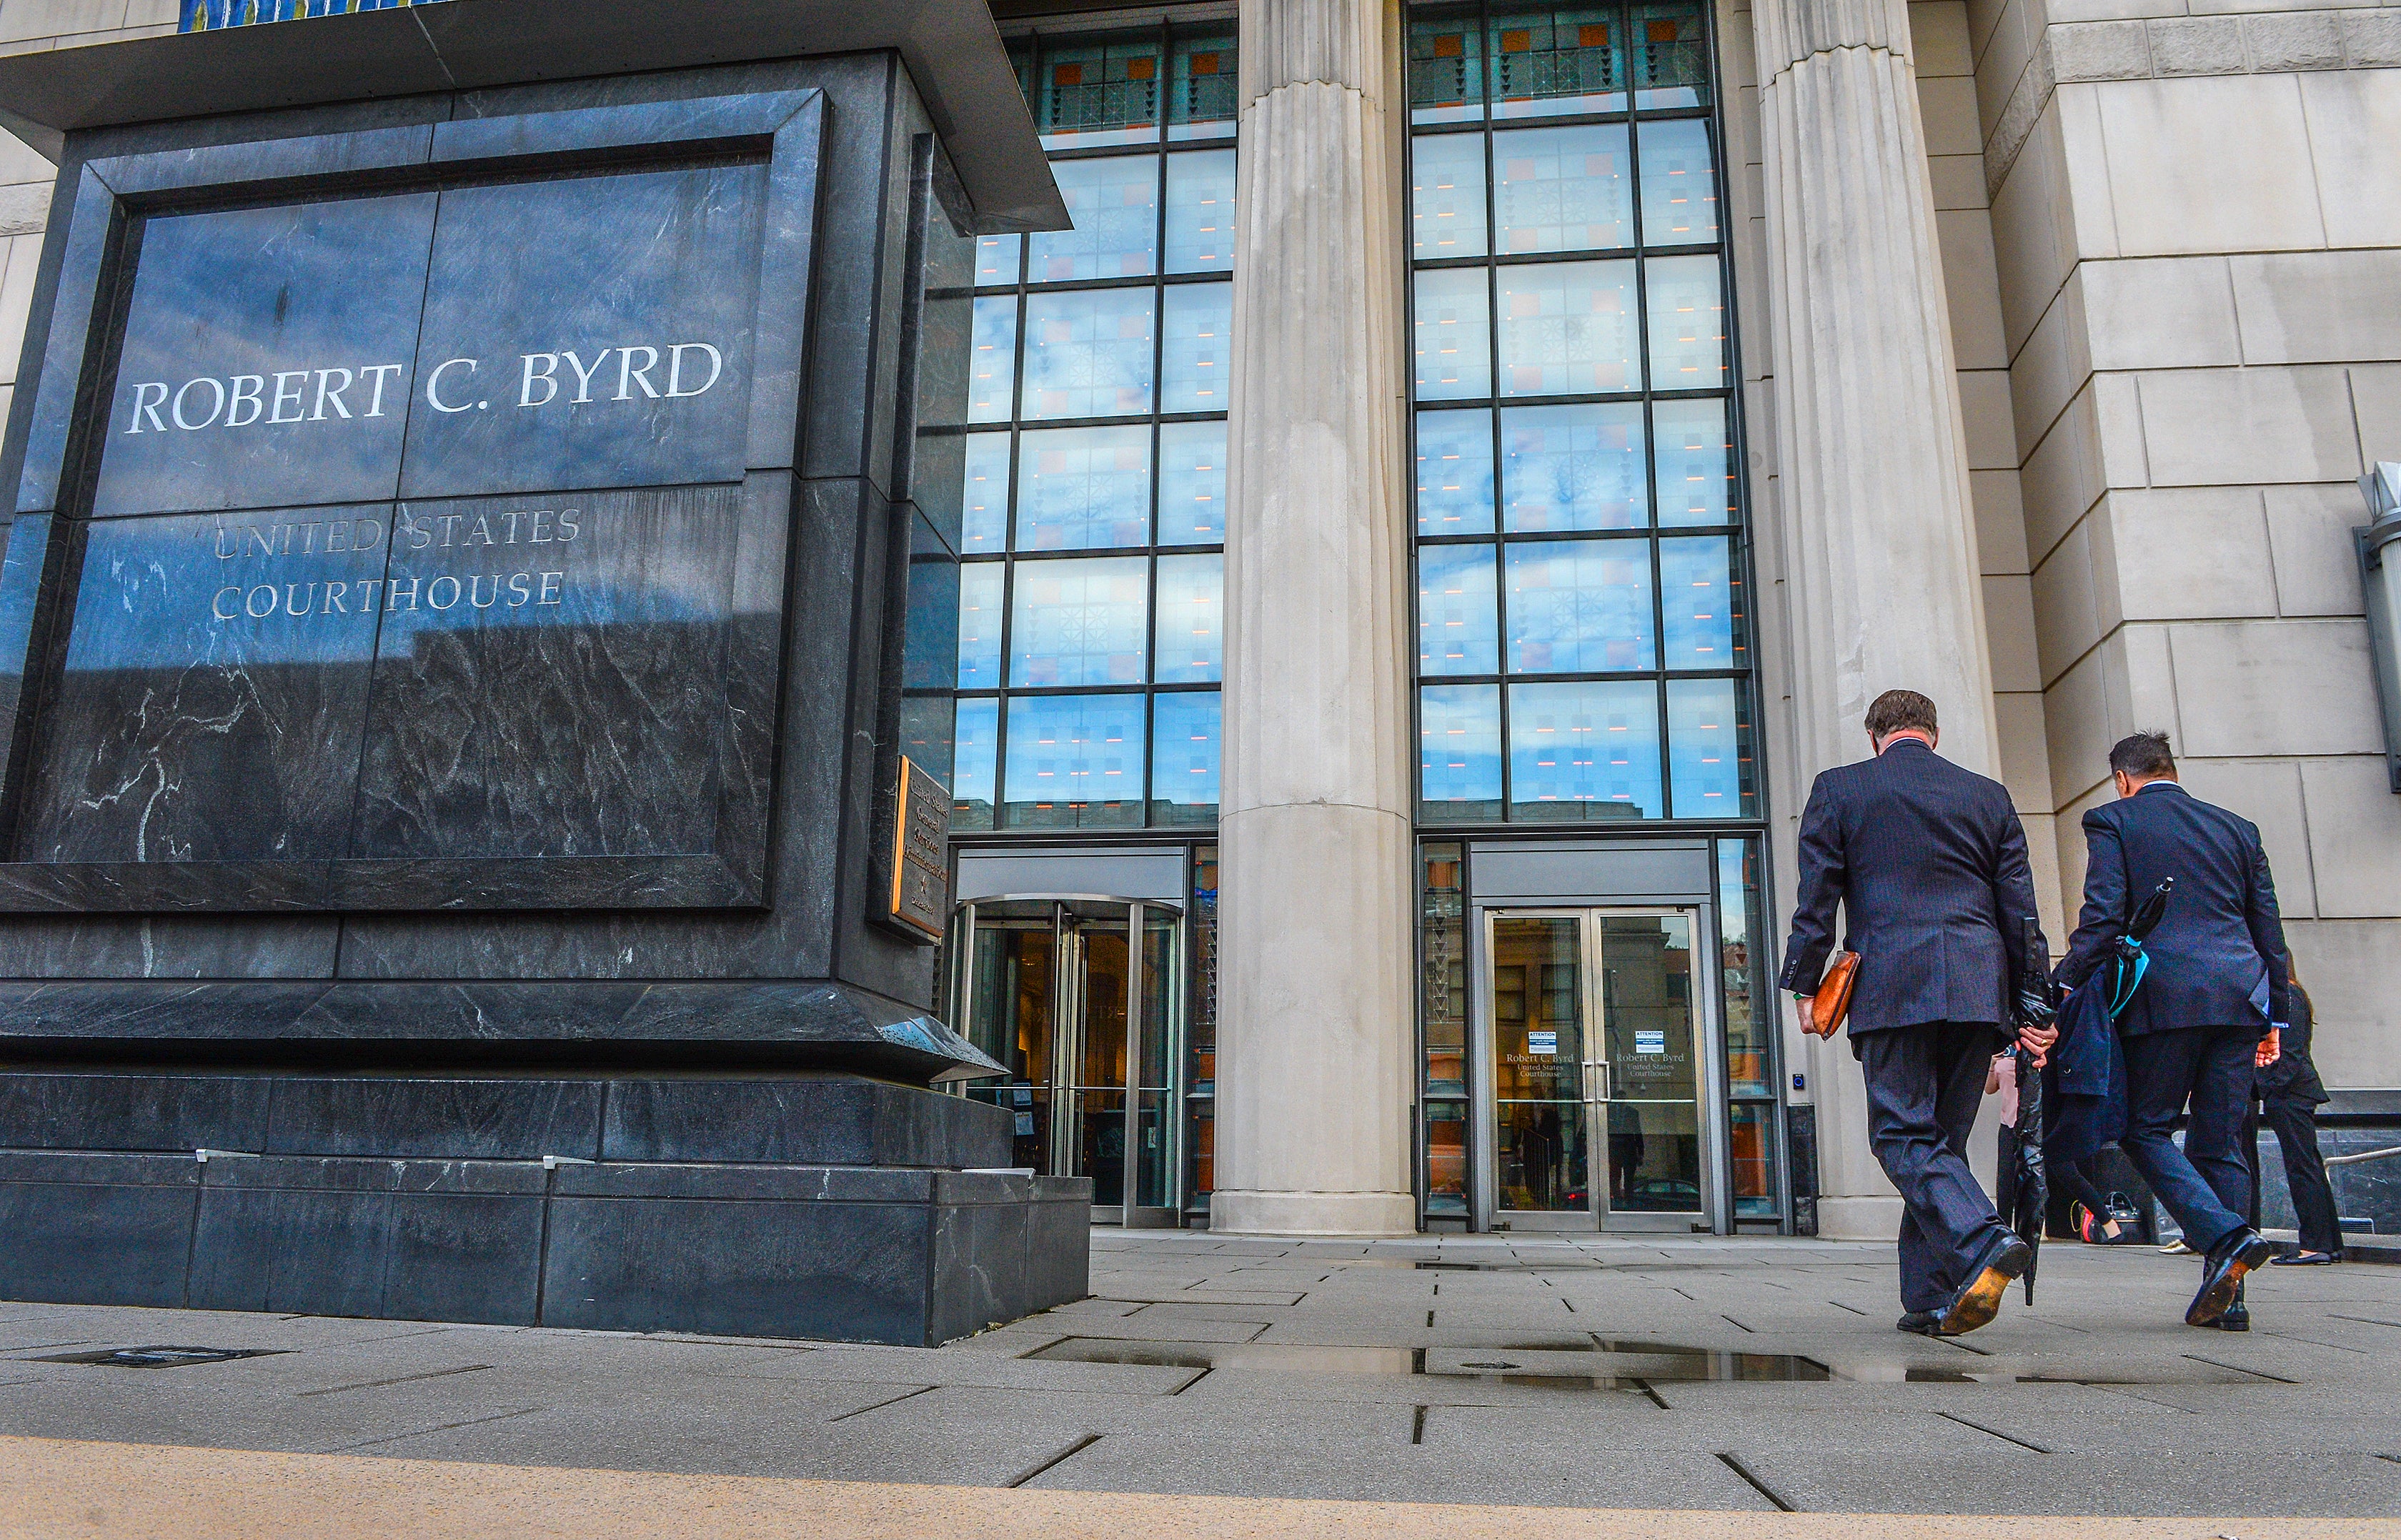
2363,1155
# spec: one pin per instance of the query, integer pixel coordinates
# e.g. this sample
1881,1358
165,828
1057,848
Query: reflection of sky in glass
1562,189
1454,351
1572,468
1455,472
1585,742
1200,211
1696,595
1088,353
1580,606
980,624
984,504
1707,741
1568,328
1458,628
1680,194
1687,324
932,643
1083,488
1198,320
1459,733
1075,748
1696,461
158,595
1080,622
1446,200
992,362
978,751
1114,202
1191,483
1191,619
1184,762
996,259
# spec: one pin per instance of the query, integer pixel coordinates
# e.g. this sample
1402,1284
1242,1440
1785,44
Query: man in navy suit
1929,863
2203,1018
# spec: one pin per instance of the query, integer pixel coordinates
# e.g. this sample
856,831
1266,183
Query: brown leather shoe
1981,1300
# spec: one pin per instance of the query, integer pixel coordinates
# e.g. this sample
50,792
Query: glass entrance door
1594,1046
1089,1024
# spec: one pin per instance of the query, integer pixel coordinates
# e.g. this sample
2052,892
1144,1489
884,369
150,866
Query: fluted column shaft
1316,1030
1882,579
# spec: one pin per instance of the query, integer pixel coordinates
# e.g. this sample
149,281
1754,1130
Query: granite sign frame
718,848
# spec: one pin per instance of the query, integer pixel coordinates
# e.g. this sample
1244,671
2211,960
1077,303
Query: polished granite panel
214,688
72,1110
588,331
108,1230
266,357
832,1121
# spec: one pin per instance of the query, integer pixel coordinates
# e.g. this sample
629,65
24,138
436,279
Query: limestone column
1882,582
1316,1030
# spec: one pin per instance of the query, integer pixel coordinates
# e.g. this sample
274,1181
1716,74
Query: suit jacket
2217,957
2294,1076
1929,863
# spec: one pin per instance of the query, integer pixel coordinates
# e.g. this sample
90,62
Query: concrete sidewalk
1705,1375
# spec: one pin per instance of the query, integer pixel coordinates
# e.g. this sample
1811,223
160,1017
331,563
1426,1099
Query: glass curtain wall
207,15
1091,639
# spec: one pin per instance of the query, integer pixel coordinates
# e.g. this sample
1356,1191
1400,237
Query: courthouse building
1402,557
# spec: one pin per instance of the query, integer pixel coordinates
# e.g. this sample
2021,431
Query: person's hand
2038,1041
2271,1047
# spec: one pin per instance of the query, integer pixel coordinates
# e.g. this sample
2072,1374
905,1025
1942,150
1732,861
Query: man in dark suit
2202,1019
1929,863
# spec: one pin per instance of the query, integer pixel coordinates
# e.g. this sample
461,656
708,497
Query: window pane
1700,597
1551,59
1680,183
1074,761
1751,1141
1201,101
1454,353
1459,758
1580,606
1099,89
1751,1022
1447,198
1455,472
1688,331
1567,328
1562,189
1114,205
1446,65
1191,483
993,369
1087,355
1710,734
1200,211
1695,458
1573,468
1458,631
1200,316
930,647
980,626
984,509
979,746
1191,619
1184,757
1671,56
1080,622
1083,488
1585,750
996,259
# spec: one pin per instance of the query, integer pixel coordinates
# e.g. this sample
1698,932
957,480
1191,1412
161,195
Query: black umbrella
2026,1186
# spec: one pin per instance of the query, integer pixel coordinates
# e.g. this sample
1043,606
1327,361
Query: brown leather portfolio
1834,998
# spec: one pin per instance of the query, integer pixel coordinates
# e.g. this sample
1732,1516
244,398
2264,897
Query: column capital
1790,30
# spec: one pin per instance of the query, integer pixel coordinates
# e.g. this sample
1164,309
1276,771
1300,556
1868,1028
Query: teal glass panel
996,260
979,612
1566,468
1200,211
1455,472
1688,333
1453,343
1098,88
1114,201
1553,59
1080,622
1563,190
208,15
1088,353
978,749
1446,196
1568,328
1074,761
1197,323
991,359
1458,755
1457,625
1446,65
1584,750
1680,183
1083,488
1694,451
1708,756
1670,56
1751,1020
1203,98
1185,756
1580,606
984,511
1192,641
1191,483
1701,603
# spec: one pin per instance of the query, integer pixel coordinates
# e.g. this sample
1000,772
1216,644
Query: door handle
1596,1080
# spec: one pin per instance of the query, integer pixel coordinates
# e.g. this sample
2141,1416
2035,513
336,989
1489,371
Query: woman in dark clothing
2290,1094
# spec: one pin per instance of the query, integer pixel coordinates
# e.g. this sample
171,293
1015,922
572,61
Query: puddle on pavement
156,1357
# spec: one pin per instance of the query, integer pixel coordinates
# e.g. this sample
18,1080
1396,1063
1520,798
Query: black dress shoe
2236,1318
1924,1323
1981,1300
2221,1278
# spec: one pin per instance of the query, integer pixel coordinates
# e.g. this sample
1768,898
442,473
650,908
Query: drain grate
158,1357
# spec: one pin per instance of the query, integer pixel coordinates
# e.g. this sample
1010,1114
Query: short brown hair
2146,756
1899,710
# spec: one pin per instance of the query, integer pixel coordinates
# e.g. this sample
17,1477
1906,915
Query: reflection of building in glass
207,15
